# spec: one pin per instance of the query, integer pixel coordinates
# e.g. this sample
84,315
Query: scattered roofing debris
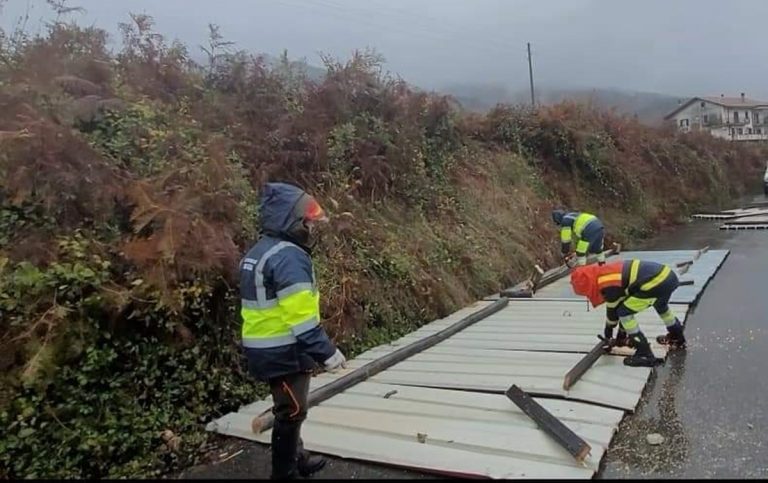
439,399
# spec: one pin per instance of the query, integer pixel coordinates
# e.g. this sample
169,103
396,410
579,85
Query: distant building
732,118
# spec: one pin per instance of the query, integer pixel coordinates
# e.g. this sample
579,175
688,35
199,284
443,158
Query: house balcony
719,122
750,137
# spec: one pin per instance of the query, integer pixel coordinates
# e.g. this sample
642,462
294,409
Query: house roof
721,101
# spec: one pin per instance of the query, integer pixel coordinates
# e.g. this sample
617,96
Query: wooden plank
569,440
555,274
583,365
701,252
267,419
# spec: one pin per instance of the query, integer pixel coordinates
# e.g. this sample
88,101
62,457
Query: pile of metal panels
443,410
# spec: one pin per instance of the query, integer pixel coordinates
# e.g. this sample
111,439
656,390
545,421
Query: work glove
621,338
335,361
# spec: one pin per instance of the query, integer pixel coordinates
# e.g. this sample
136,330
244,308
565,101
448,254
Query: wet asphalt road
254,463
709,402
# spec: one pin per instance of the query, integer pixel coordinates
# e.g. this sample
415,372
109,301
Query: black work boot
309,464
285,445
643,356
674,337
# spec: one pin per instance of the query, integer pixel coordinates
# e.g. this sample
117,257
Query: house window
746,115
705,119
733,132
684,123
758,131
740,131
757,118
749,130
702,104
736,116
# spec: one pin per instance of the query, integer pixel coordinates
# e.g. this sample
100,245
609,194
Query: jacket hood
277,212
584,282
557,216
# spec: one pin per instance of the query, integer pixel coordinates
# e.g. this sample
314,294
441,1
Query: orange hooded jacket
590,280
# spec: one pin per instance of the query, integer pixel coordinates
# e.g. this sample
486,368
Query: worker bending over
281,331
627,288
586,229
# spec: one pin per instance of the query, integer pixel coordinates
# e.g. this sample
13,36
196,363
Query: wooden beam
583,365
617,248
701,252
265,420
563,270
577,447
536,278
517,293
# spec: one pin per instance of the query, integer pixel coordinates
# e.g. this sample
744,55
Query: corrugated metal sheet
754,219
448,366
730,214
542,325
743,226
702,270
466,434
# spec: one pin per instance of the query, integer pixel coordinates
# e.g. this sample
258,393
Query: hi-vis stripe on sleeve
609,280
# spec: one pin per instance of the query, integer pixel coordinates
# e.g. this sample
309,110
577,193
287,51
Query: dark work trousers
289,396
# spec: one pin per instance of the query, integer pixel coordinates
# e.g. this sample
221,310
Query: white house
733,118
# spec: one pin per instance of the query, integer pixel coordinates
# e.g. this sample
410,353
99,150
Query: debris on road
654,439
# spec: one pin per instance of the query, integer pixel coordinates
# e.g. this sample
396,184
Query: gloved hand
621,338
335,361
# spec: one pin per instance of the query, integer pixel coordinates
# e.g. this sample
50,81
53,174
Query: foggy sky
681,47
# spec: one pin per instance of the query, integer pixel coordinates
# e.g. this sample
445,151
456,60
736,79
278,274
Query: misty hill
649,107
313,72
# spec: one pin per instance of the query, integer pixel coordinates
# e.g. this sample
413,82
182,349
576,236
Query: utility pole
530,72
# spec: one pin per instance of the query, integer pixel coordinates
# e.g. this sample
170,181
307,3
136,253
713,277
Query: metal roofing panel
490,403
462,433
732,214
744,226
447,366
436,455
749,220
539,325
471,405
